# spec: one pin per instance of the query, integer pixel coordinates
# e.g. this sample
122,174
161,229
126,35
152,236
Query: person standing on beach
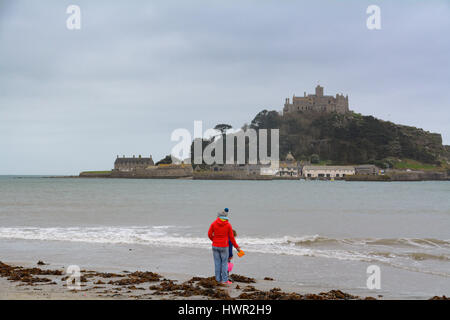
219,232
230,254
230,246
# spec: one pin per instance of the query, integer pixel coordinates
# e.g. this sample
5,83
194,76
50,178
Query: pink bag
230,266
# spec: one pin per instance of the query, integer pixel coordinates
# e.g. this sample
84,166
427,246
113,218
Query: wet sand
44,281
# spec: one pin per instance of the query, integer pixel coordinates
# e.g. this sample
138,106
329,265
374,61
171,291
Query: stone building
317,102
327,172
286,168
132,164
367,169
290,167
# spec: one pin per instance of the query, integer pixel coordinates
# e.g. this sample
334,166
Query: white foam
169,236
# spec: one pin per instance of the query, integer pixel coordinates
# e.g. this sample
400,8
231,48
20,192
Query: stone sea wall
186,172
229,175
168,172
155,173
402,175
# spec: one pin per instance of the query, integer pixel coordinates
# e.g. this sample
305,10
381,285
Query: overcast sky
71,100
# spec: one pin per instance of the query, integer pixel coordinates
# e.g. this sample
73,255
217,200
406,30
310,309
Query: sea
310,235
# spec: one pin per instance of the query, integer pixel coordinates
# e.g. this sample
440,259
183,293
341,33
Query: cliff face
447,152
350,138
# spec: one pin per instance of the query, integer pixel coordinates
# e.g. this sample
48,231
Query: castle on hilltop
317,102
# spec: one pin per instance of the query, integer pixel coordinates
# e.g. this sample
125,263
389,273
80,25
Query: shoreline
42,281
352,179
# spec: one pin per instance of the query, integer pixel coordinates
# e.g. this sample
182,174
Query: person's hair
234,233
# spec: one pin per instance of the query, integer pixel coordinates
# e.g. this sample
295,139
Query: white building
271,170
328,171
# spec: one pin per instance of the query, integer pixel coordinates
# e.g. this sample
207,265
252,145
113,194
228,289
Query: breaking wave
357,249
390,242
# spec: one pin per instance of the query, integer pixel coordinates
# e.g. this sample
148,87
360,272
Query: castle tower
319,91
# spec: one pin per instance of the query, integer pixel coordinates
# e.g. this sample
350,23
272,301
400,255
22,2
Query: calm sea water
318,234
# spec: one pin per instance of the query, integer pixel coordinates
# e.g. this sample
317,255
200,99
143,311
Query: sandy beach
44,282
47,282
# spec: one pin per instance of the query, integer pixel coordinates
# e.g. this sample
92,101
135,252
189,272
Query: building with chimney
317,102
131,164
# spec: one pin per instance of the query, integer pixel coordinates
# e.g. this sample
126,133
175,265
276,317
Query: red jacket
219,233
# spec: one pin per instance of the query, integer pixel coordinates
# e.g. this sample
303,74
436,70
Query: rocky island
321,132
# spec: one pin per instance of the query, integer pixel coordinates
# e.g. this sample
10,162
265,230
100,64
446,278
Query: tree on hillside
222,127
315,158
165,160
265,120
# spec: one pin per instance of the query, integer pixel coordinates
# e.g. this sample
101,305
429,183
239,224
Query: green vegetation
414,165
166,160
315,159
96,172
223,127
323,163
353,139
